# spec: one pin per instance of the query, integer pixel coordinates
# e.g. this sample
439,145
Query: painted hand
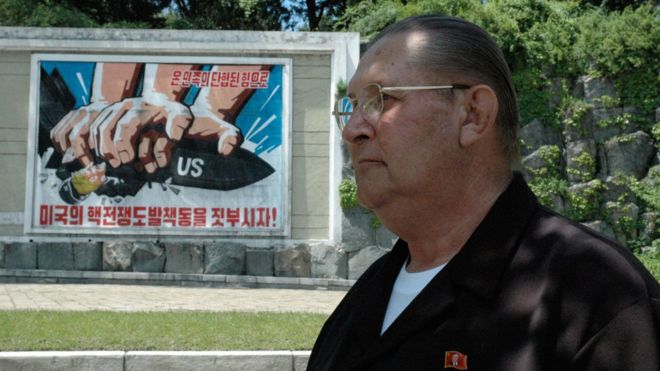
147,127
71,134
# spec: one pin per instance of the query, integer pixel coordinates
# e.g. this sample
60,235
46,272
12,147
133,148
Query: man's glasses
370,101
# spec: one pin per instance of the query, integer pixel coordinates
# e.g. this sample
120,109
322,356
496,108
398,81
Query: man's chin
370,200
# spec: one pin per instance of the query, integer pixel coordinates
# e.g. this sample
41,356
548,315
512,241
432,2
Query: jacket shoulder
587,262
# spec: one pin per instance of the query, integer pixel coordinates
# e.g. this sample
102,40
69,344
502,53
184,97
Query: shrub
584,167
348,194
584,204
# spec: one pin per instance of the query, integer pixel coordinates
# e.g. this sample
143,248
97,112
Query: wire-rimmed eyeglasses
370,101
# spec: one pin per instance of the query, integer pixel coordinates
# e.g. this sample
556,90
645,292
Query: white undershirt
406,287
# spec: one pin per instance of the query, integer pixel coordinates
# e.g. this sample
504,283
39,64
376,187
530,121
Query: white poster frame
283,228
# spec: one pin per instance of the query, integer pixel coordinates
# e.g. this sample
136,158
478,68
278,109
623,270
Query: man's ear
481,107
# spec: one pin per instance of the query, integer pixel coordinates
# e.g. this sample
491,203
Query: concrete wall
310,168
14,93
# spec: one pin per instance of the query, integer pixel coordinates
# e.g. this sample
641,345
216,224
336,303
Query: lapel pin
456,360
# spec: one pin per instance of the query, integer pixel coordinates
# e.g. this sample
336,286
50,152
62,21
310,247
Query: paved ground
117,297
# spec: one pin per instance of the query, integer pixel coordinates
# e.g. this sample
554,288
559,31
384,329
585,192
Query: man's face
411,151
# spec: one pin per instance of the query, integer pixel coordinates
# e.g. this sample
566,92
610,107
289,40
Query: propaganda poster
158,145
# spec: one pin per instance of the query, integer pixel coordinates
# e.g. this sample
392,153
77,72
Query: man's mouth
369,162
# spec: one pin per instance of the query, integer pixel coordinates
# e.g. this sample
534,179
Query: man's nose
358,129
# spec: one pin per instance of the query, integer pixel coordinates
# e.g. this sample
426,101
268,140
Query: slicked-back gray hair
464,49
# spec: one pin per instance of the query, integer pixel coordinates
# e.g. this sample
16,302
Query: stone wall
600,155
315,260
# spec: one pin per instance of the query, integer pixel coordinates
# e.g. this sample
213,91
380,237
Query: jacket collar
478,268
479,265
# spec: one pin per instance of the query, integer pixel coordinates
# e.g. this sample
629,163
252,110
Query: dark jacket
530,290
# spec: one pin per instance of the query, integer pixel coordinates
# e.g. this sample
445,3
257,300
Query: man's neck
436,232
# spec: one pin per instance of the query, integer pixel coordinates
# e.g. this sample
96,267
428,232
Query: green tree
229,14
320,15
42,13
83,13
615,4
137,13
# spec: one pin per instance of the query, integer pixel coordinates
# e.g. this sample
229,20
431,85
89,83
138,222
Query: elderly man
483,277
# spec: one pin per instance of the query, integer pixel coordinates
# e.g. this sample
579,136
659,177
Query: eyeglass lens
370,102
345,105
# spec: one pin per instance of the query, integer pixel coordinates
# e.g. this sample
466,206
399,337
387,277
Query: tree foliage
39,13
308,15
320,15
544,39
229,14
144,13
83,13
615,4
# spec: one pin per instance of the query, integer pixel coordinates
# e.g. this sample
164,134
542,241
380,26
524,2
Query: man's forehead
387,61
404,41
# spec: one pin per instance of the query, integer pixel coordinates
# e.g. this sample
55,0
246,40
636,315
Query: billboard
158,145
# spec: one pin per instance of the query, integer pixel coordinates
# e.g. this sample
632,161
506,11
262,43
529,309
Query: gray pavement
120,297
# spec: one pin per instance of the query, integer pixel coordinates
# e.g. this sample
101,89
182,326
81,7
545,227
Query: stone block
347,171
117,255
359,261
597,87
209,361
536,134
224,258
558,87
259,262
292,261
618,190
87,256
601,129
590,193
21,255
581,157
184,258
601,227
557,203
2,255
652,178
148,257
357,229
540,160
624,219
649,229
602,161
578,88
328,261
629,154
385,238
61,361
573,130
55,256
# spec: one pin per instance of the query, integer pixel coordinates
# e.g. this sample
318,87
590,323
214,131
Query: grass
97,330
652,264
